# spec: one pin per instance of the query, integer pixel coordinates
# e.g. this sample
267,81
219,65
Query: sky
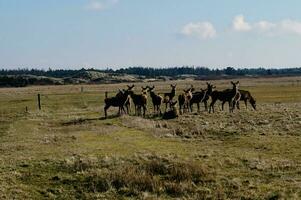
72,34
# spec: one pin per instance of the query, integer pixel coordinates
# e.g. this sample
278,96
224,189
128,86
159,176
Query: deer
128,102
201,96
246,96
168,97
139,100
172,113
156,99
117,101
229,95
184,99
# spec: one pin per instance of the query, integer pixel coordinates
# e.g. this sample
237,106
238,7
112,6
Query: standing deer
139,100
202,96
118,101
246,96
128,102
156,99
168,97
229,95
184,99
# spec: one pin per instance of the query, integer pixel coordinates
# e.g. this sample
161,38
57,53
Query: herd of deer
186,100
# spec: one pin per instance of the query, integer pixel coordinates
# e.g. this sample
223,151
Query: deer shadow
86,120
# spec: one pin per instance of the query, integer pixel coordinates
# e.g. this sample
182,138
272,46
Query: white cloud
290,26
265,27
201,30
99,5
239,24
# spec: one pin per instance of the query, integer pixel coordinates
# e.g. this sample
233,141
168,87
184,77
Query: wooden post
26,109
39,101
82,89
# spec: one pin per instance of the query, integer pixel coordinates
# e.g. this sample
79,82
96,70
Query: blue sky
150,33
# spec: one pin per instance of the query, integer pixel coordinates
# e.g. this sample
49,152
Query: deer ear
237,82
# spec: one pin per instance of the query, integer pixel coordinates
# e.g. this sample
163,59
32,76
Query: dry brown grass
68,151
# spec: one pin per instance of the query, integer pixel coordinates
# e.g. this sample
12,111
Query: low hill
83,76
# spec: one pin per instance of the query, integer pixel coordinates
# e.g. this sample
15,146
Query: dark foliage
155,72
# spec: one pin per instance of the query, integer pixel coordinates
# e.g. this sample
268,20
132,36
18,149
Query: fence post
39,101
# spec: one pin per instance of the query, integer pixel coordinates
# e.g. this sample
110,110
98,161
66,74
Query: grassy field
69,151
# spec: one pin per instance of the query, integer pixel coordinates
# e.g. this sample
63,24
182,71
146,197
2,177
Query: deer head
130,87
173,86
210,88
150,89
235,85
144,89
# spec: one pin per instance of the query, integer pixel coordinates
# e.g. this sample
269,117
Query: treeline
155,72
203,71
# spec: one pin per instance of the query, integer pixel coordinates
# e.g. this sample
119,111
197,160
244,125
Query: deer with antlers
230,95
156,99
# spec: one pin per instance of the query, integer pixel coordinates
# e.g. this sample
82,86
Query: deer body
228,95
197,98
246,96
184,100
140,101
168,97
156,100
202,96
117,101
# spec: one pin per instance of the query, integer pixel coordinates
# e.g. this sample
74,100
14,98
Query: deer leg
212,105
139,110
105,110
198,105
223,103
127,109
144,111
206,106
119,111
229,106
237,105
180,108
123,109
